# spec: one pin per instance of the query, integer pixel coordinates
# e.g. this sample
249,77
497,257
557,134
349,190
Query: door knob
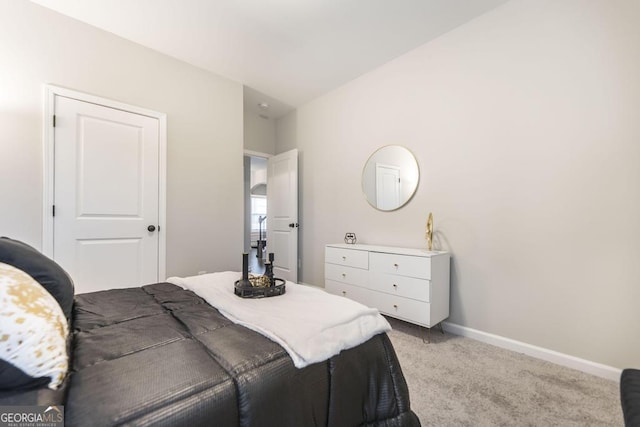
294,225
151,228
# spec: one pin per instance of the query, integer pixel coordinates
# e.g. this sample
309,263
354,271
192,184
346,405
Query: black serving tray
244,291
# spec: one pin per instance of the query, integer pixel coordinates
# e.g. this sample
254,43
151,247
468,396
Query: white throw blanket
309,323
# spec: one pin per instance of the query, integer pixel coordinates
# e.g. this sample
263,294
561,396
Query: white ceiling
287,52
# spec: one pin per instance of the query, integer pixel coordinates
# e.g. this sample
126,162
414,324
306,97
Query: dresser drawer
348,257
403,286
344,274
403,265
361,295
405,309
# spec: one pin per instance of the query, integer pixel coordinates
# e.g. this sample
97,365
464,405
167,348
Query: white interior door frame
50,92
257,154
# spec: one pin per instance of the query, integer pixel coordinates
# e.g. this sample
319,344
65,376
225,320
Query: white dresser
409,284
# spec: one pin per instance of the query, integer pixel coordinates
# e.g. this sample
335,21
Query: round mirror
390,177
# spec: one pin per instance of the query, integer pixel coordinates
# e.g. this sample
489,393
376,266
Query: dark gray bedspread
160,355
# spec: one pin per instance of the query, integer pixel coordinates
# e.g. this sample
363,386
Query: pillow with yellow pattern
33,333
44,270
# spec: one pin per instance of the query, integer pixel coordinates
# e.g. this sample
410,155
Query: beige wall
286,132
259,133
525,126
204,115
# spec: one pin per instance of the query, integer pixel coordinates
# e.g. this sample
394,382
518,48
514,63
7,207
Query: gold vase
429,232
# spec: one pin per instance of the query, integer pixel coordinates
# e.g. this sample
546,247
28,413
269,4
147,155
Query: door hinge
54,120
53,210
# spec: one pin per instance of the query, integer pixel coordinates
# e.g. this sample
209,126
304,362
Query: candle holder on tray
258,286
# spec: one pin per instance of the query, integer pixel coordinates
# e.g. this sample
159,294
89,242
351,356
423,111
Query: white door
387,187
106,183
282,214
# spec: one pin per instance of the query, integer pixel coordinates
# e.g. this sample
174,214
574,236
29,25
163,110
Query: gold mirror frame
387,163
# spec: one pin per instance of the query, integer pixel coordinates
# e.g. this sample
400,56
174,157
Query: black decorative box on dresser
408,284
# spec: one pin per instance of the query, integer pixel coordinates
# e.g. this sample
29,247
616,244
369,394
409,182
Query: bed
161,355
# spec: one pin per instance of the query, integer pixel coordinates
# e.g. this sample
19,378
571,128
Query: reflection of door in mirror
387,186
390,177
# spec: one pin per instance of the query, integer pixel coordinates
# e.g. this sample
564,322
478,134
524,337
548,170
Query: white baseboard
573,362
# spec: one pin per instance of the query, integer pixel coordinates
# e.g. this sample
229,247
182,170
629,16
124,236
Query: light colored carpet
457,381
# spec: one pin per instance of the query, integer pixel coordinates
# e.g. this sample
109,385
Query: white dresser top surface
389,249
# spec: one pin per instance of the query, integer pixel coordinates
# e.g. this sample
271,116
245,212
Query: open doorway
255,211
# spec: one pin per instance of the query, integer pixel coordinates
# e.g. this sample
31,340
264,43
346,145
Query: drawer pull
344,274
395,286
344,258
395,265
344,293
395,306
